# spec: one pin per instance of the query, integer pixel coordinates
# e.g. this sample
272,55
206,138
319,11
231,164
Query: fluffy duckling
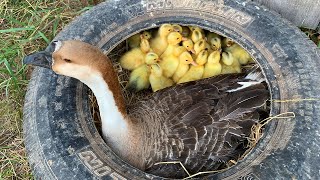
185,59
230,65
214,41
188,44
159,43
239,53
134,41
226,42
136,56
196,72
157,80
177,28
185,31
196,35
192,28
213,66
173,39
199,46
170,58
139,77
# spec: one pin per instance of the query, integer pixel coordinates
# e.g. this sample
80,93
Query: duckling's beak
42,59
194,63
193,51
184,39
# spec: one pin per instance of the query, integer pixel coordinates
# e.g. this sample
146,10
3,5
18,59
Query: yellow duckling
226,42
192,28
139,77
213,66
136,56
196,72
214,41
173,39
184,60
177,28
239,53
196,35
199,46
170,59
157,80
185,31
134,41
230,65
188,44
159,43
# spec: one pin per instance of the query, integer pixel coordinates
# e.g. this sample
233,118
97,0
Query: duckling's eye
187,46
67,60
186,59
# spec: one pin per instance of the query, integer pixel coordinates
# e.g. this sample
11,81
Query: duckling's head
199,46
146,35
165,29
214,57
215,44
202,57
188,44
185,31
227,58
177,28
228,42
156,70
196,35
152,58
186,58
174,38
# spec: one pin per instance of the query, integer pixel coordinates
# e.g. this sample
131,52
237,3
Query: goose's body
202,123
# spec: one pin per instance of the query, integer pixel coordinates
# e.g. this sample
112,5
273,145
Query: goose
202,124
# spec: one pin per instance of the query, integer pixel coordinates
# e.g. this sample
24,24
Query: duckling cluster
174,54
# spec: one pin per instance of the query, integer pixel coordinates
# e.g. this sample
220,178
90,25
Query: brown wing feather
198,123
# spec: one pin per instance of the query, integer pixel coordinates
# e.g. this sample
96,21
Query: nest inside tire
132,97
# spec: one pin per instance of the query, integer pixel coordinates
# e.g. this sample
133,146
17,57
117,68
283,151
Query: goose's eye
67,60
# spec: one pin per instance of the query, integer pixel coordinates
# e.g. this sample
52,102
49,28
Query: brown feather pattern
197,123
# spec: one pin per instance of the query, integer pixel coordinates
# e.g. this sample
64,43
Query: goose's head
79,60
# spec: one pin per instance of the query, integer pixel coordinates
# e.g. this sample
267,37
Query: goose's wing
199,123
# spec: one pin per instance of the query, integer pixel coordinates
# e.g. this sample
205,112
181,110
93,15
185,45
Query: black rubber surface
63,143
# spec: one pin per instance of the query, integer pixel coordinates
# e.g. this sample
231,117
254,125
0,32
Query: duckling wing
199,123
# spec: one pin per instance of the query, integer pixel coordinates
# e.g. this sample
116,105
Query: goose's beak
42,59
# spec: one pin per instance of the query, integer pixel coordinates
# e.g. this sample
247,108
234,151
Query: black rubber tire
62,141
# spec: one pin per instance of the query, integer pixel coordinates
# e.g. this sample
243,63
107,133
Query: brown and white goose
202,124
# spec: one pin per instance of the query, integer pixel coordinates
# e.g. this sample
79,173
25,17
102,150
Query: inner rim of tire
130,97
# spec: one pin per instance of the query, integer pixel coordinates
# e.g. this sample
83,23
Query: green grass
27,26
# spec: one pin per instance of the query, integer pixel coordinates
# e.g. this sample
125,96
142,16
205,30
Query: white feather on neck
114,125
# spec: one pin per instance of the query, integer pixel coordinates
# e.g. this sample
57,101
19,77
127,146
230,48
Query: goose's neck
112,108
